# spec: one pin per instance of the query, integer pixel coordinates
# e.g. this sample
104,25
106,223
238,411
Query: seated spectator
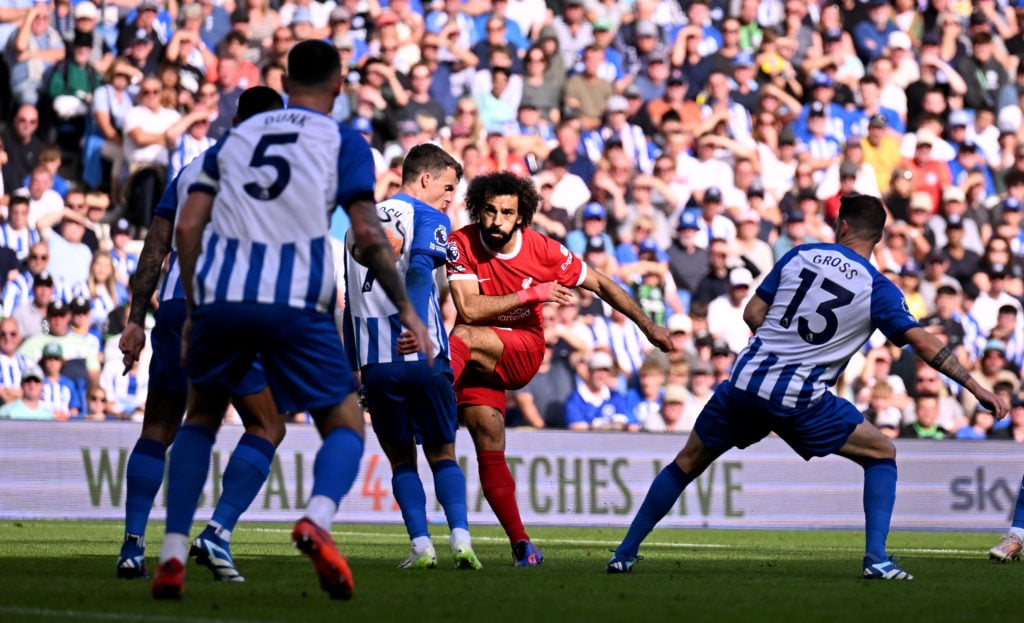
11,363
127,392
29,406
104,141
43,200
59,393
16,233
81,358
725,312
146,150
881,411
30,313
926,406
97,406
670,418
82,324
21,147
644,401
70,88
594,405
702,386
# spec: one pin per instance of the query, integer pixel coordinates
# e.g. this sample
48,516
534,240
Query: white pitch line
655,544
85,615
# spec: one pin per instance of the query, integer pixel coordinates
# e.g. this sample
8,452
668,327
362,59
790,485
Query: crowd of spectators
681,146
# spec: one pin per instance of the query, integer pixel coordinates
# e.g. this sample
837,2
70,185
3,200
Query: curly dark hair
499,184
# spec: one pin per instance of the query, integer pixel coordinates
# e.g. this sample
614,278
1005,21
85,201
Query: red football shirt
536,259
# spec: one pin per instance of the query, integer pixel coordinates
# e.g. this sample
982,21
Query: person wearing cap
594,405
29,406
30,311
819,148
593,218
72,83
823,92
970,164
671,417
713,222
745,88
652,78
87,17
725,312
804,335
59,394
881,151
149,22
933,277
752,248
687,260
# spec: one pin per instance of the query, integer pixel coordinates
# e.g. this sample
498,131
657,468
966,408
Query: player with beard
500,272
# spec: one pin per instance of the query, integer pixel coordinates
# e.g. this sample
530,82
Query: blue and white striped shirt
824,301
19,241
277,177
174,196
372,326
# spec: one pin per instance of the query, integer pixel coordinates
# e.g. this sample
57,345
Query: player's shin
668,485
500,490
189,466
411,498
879,499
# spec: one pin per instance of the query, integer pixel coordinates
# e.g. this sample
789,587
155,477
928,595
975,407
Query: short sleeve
356,175
430,233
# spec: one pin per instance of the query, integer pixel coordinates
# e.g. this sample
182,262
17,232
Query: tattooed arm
939,356
143,284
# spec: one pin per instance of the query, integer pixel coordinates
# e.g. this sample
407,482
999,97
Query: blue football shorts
165,370
300,349
737,418
409,401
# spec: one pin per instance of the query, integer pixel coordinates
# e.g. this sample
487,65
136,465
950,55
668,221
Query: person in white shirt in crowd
11,363
671,417
42,198
31,314
70,258
145,126
702,385
15,233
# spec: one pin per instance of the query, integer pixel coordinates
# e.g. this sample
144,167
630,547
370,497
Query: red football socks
500,491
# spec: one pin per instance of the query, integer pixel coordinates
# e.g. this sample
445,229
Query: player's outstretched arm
143,285
379,258
473,306
602,285
939,356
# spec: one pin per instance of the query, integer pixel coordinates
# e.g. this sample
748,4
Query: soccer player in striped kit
250,463
813,311
259,280
408,401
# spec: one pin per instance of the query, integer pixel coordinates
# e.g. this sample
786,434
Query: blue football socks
337,463
245,473
1018,510
879,499
412,500
450,489
189,466
145,474
663,494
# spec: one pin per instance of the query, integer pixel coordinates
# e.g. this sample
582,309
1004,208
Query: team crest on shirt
453,252
527,282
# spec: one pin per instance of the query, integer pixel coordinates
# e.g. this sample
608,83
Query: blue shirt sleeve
356,175
430,233
889,310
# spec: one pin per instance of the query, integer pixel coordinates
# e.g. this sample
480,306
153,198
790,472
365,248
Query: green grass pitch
64,571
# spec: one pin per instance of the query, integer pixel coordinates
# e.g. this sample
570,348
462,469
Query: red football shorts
519,362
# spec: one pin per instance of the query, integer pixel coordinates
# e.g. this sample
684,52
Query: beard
496,238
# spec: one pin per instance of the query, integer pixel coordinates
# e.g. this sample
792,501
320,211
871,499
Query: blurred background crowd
681,146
